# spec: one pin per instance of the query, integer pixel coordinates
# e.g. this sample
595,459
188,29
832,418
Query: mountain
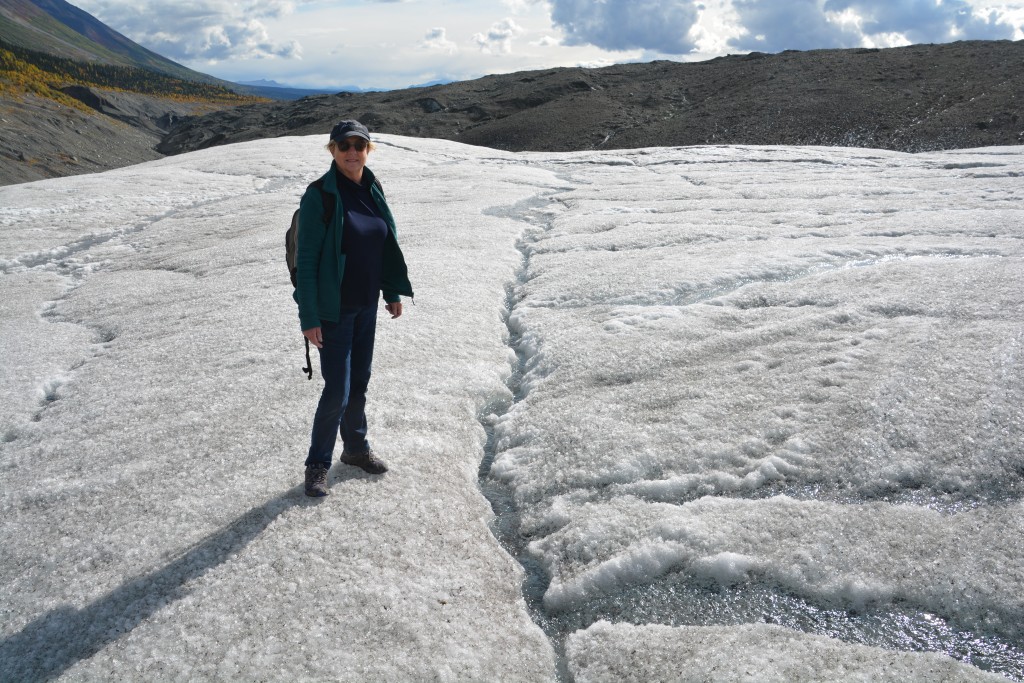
915,98
264,83
921,97
77,96
61,29
280,91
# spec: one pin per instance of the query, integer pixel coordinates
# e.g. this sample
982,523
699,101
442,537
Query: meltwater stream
506,523
680,600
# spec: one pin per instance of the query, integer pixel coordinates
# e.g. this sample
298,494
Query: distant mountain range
264,83
279,91
77,96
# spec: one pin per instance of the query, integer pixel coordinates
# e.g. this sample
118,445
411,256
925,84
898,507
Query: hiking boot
367,461
316,480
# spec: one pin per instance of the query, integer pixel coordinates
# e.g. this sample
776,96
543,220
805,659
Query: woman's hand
394,309
315,337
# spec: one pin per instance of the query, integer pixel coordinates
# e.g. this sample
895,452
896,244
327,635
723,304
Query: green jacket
320,255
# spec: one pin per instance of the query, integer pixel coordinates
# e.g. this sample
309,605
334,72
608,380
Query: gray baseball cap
348,129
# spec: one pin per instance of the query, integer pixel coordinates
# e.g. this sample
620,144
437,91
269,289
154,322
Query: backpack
291,244
291,236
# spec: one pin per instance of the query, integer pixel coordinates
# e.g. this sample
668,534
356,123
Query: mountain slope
61,29
76,96
921,97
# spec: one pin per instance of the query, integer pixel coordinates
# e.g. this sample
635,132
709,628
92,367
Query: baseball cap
348,129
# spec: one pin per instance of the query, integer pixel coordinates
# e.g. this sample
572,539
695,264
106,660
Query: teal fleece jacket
320,254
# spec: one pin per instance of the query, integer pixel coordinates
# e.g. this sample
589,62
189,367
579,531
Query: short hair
332,145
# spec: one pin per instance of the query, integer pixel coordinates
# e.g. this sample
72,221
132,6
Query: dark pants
345,365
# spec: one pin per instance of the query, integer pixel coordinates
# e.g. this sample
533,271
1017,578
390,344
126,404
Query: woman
343,264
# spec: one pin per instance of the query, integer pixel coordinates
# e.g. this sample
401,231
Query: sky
392,44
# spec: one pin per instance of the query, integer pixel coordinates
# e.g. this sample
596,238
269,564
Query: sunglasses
360,145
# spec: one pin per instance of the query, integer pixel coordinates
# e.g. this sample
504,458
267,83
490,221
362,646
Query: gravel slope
917,98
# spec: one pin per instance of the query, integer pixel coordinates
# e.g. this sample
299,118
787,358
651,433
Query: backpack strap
328,203
309,364
327,200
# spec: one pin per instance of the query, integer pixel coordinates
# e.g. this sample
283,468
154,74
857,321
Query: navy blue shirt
363,234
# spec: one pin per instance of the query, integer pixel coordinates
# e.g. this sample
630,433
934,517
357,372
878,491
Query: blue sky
397,43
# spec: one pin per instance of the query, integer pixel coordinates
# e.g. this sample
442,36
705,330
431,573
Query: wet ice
815,354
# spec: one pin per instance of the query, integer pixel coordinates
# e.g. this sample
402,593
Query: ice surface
755,652
702,330
153,524
833,554
724,384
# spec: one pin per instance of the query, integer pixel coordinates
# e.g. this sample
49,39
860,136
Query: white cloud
924,21
437,40
521,6
396,43
200,30
809,24
656,25
791,25
498,40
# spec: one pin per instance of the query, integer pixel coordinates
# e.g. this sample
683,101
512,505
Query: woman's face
350,156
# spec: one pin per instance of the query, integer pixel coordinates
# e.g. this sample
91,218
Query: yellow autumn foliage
25,71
